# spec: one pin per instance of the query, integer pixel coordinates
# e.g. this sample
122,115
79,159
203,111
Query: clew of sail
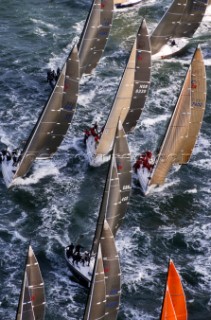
55,118
95,307
198,103
112,272
32,299
181,20
171,148
174,303
95,34
132,91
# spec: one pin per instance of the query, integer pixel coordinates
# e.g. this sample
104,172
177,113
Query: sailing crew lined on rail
92,131
144,160
7,155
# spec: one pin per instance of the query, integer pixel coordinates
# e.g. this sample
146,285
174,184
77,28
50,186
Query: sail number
142,88
124,199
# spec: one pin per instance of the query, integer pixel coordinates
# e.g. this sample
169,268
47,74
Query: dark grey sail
181,20
117,188
112,272
95,307
32,300
55,118
95,34
141,77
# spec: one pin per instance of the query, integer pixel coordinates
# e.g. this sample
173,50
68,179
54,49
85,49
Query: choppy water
60,199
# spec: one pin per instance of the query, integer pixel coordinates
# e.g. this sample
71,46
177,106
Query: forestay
131,95
181,20
55,118
95,34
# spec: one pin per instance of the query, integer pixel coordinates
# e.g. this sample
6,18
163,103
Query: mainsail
112,272
32,299
117,188
174,303
95,34
95,307
55,118
132,91
198,103
181,20
184,125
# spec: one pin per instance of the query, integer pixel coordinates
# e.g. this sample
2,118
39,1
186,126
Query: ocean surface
59,200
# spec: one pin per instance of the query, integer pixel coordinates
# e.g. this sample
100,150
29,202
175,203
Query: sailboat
176,27
95,34
32,299
114,202
129,101
183,128
174,302
120,4
53,123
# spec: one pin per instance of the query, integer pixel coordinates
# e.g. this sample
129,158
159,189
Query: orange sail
175,294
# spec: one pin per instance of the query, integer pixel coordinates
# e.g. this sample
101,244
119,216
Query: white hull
8,171
144,178
128,3
167,51
83,273
94,160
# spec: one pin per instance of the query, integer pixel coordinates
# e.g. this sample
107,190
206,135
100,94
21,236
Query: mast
32,300
55,118
95,34
132,91
198,103
171,148
174,296
95,307
181,20
112,272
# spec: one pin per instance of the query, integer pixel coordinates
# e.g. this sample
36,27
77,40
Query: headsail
55,118
132,91
117,188
95,34
174,296
181,20
112,272
95,307
170,151
198,103
32,300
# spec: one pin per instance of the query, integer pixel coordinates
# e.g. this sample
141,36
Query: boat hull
94,160
168,51
129,3
144,178
82,273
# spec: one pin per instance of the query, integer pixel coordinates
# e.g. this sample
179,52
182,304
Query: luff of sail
168,312
181,20
171,148
198,103
112,272
95,307
174,292
131,93
95,34
55,118
32,300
